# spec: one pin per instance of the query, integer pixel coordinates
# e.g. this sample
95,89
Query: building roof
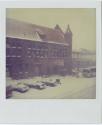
23,30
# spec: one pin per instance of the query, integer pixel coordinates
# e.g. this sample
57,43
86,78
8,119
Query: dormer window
37,36
41,34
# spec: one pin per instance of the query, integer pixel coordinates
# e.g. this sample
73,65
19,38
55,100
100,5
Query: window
14,47
19,47
29,48
8,45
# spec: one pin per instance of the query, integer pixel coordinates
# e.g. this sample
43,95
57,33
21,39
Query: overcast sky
82,22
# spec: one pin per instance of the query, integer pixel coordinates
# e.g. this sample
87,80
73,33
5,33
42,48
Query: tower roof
68,30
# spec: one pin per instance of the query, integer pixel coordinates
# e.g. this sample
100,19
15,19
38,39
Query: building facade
83,59
33,50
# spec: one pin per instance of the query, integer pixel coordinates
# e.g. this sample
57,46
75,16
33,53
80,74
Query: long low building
33,50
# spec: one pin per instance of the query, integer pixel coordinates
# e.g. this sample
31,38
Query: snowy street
71,88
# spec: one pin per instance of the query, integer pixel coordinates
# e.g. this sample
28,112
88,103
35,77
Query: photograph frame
61,111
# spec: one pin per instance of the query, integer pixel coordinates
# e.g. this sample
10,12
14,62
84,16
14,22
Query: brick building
33,50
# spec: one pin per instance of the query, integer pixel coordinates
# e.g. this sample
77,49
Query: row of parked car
85,72
24,87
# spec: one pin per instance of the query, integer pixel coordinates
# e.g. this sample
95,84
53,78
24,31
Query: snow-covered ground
71,88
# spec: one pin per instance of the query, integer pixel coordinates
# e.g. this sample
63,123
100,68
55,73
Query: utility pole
78,63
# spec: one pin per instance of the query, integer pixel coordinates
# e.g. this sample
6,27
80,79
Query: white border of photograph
50,110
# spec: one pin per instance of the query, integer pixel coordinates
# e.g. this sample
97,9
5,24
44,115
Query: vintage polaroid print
50,62
50,53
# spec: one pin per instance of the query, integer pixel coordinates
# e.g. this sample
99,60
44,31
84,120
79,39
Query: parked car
20,87
52,83
89,72
38,85
9,90
30,85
